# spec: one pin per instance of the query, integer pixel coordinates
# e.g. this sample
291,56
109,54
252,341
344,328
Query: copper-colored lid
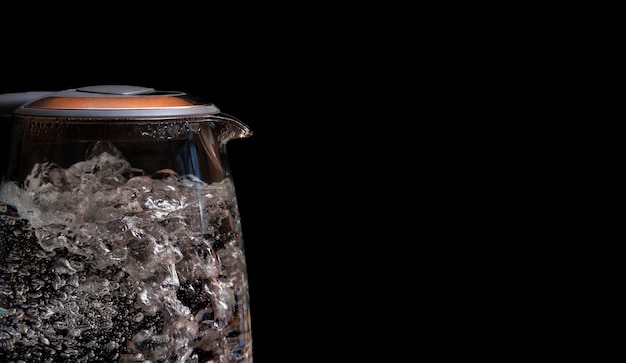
116,101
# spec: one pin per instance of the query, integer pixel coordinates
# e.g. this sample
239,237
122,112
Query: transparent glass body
120,241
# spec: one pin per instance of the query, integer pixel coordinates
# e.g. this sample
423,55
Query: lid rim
106,101
196,111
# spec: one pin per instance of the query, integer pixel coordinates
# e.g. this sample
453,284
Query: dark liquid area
101,262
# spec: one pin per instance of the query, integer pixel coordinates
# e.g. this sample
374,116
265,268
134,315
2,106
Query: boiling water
101,263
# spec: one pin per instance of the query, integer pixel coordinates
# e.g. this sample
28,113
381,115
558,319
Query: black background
294,88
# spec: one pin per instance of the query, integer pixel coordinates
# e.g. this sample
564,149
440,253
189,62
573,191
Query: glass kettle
120,235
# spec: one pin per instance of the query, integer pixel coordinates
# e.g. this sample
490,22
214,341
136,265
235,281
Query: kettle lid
105,101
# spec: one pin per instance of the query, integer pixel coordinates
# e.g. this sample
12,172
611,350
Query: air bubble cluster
102,263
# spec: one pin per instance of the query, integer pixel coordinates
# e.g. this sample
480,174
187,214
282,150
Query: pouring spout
213,137
229,128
